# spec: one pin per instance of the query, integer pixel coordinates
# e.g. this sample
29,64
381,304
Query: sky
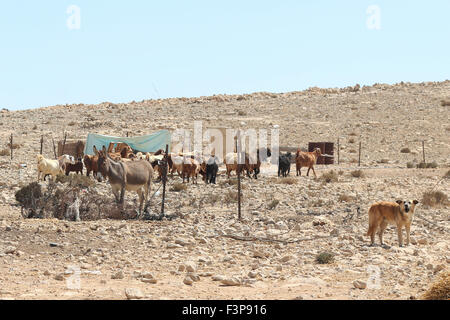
92,51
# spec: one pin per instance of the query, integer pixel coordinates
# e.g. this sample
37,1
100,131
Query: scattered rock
358,284
118,275
231,281
190,266
217,278
10,250
133,294
188,281
59,277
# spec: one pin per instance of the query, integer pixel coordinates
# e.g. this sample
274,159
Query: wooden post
127,134
359,156
42,142
423,150
54,148
338,150
238,171
11,145
64,142
164,178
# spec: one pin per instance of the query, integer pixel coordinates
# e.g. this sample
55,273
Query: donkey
130,176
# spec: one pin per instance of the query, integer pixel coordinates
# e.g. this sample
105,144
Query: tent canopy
148,143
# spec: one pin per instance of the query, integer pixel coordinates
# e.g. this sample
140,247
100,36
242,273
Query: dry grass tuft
288,180
325,258
178,187
434,199
330,176
5,152
445,103
231,196
405,150
346,198
357,174
440,290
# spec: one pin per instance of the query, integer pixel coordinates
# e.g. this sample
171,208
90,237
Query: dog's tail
372,225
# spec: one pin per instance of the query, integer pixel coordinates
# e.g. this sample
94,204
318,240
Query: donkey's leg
141,200
115,191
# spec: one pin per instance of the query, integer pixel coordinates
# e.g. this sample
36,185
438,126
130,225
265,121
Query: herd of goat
128,170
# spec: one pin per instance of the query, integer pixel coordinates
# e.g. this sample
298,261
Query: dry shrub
288,180
178,187
351,140
445,103
211,199
231,196
423,165
440,290
434,199
447,175
55,199
325,258
405,150
75,180
352,151
357,174
242,113
28,196
410,165
352,134
330,176
14,146
346,198
5,152
384,161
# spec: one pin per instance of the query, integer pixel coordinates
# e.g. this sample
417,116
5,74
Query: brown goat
307,159
191,168
77,167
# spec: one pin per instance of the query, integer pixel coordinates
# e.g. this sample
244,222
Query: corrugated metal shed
326,148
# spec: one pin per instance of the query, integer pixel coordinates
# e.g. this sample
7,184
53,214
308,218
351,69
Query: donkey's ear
95,150
399,201
104,149
415,202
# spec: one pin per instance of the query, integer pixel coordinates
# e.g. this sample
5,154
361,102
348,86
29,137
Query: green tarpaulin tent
148,143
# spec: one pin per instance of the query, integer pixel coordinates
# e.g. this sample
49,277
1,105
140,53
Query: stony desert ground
206,252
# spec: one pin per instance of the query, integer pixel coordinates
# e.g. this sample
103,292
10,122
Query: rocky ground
205,252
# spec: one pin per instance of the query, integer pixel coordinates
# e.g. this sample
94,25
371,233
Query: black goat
284,164
211,170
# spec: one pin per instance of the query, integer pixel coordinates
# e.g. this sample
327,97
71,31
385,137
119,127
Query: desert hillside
277,250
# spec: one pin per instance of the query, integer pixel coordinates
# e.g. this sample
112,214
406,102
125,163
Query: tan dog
382,213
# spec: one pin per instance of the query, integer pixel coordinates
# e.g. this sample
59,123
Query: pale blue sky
134,50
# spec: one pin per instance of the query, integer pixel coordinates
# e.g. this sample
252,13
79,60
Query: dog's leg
400,235
382,228
407,227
